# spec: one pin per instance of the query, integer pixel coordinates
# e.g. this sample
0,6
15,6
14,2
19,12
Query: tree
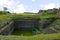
5,9
1,12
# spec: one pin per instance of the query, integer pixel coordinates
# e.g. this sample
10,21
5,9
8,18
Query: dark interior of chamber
25,27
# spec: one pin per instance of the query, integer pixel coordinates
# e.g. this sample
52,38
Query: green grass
35,37
23,32
30,16
4,18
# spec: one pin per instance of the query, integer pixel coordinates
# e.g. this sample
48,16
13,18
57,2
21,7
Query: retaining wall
25,24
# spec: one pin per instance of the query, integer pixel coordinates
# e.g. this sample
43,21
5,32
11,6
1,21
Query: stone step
5,23
49,30
5,27
54,29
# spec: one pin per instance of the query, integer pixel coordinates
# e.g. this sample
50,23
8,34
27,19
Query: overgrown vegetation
41,14
23,32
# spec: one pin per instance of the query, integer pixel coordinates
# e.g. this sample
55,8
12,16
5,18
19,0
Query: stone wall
25,24
43,23
28,24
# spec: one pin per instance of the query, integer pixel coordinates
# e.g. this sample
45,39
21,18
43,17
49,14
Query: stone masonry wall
25,24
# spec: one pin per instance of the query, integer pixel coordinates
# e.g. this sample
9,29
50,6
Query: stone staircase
53,28
5,23
6,28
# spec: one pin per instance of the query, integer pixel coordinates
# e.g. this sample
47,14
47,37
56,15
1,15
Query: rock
5,22
2,24
9,20
36,31
56,25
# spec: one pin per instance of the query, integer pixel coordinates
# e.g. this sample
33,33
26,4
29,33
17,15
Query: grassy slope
4,18
16,16
35,37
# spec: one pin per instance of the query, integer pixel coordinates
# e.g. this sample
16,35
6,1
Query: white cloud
15,6
6,3
2,2
33,0
34,11
12,5
20,8
49,6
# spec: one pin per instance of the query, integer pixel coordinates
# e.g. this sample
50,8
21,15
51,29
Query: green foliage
3,13
26,16
23,32
55,36
4,18
48,12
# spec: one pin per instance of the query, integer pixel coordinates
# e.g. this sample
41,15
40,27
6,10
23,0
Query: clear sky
20,6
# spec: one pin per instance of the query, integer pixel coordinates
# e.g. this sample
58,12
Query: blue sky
20,6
